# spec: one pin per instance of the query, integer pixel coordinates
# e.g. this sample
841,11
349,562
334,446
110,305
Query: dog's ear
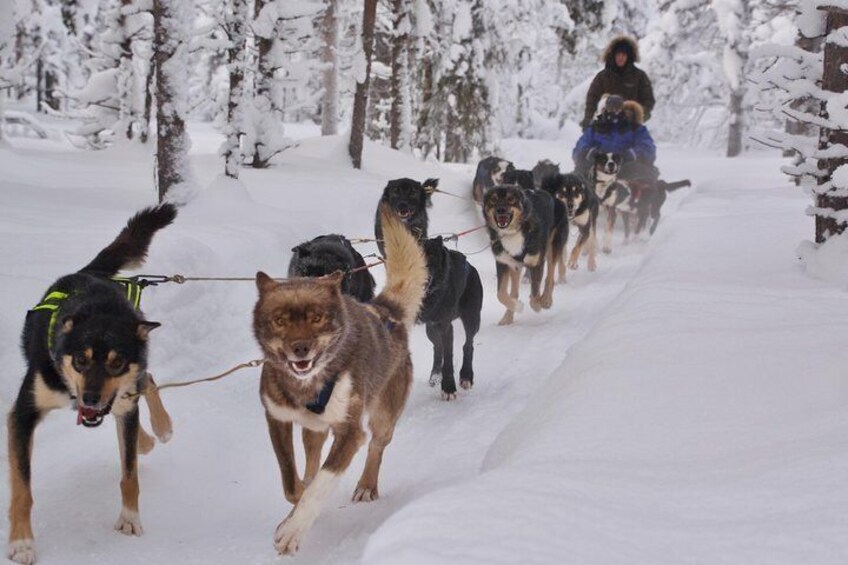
430,186
334,279
300,250
264,283
144,328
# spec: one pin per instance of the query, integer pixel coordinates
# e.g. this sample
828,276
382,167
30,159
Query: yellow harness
52,302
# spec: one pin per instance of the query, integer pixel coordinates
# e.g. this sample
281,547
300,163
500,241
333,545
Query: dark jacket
629,82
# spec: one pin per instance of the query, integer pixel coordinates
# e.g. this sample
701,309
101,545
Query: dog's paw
129,523
536,303
435,379
21,551
466,384
448,396
547,300
288,536
573,265
146,443
507,319
163,428
365,494
593,265
607,250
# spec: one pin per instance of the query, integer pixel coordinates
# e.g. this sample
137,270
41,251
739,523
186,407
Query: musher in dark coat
620,76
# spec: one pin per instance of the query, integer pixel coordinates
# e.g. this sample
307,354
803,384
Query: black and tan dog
330,359
647,198
327,254
490,172
409,199
582,207
86,346
521,229
614,196
454,291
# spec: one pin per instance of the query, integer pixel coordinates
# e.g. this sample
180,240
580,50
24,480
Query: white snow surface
685,403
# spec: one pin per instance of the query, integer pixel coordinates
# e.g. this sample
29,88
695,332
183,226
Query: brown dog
329,360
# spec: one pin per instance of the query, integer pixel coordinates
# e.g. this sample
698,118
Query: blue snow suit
614,133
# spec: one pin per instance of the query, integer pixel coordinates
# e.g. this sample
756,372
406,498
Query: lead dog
521,228
86,346
613,195
329,360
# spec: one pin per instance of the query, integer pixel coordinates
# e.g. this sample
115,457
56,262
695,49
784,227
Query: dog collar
318,405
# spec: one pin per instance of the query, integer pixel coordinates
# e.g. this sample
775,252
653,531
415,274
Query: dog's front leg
608,233
536,266
313,443
575,252
159,417
283,443
435,337
129,522
20,429
547,299
504,273
347,439
592,244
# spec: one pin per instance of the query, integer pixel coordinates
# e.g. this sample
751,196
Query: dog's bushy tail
406,269
669,186
129,249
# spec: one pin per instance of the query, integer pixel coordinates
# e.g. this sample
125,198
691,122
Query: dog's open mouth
93,416
503,220
302,367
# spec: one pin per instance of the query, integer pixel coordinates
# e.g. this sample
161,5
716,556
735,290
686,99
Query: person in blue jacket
618,129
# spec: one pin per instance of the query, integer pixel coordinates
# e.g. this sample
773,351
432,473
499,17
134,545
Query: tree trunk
171,29
737,122
330,57
360,99
399,130
148,99
236,28
829,200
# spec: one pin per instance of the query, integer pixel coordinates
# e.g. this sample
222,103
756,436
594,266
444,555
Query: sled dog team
333,350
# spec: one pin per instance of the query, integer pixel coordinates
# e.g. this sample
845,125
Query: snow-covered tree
734,18
235,27
330,59
172,30
401,111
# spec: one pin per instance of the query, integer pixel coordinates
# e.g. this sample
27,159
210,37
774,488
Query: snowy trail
213,494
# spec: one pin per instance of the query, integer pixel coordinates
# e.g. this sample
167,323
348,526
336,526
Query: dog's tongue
502,220
86,413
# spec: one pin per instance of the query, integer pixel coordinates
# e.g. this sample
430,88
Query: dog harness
52,302
318,405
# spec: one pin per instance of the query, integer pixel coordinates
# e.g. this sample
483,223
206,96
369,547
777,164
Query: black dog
410,199
490,172
327,254
544,170
454,291
647,200
86,345
521,177
582,207
521,226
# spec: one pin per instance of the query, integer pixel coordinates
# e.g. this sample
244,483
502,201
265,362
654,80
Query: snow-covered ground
686,403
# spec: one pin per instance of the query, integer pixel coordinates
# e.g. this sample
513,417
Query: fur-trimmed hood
634,112
624,42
